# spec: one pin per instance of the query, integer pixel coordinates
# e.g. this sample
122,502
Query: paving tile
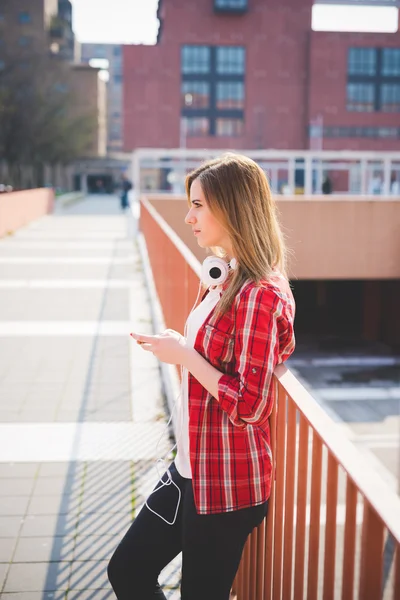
35,596
62,469
42,549
109,504
108,468
6,549
48,525
16,486
35,415
89,575
67,416
95,547
90,594
10,416
106,487
54,505
13,505
57,486
37,577
9,526
19,470
3,572
103,524
101,416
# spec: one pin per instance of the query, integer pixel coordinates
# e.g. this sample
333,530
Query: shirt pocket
219,346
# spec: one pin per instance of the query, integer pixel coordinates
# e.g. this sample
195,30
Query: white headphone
214,270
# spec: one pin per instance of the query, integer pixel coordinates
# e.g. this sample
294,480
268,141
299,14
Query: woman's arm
246,397
207,375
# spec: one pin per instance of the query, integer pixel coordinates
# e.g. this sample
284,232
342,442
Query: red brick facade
327,91
292,74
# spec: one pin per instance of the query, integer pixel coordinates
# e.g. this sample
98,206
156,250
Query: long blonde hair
238,194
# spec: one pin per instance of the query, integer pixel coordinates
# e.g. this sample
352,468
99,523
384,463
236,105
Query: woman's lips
196,231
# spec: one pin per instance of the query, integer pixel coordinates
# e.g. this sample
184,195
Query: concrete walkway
81,406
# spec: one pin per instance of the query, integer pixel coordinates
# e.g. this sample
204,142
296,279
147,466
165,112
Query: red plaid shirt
229,437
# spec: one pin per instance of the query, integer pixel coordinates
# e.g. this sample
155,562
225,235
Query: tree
38,121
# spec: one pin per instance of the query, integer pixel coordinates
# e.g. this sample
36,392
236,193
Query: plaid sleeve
246,397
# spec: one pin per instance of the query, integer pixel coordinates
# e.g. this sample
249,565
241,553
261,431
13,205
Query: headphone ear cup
214,271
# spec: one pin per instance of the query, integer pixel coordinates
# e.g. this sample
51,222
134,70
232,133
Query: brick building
253,74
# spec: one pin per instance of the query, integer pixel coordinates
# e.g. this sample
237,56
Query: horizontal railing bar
344,197
385,502
174,238
319,154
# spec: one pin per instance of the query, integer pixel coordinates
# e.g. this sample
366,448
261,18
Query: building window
212,89
391,62
117,51
24,18
229,127
360,132
227,5
230,94
2,65
196,126
195,59
118,79
195,94
362,61
390,97
230,60
373,79
360,97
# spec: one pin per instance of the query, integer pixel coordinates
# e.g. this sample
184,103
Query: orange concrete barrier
18,209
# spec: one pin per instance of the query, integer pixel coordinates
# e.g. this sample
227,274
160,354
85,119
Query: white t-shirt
193,324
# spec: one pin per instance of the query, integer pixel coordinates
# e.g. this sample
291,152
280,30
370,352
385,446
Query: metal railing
358,173
333,525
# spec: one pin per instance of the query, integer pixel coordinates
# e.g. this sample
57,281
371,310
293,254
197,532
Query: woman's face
208,231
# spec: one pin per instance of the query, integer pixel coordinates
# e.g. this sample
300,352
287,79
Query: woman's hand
169,347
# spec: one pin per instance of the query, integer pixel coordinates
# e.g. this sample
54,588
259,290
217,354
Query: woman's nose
189,219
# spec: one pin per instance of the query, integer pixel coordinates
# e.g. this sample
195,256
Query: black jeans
211,546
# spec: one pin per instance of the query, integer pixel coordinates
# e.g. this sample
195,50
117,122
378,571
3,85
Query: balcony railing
333,526
353,173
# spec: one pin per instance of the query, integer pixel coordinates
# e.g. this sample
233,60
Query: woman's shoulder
268,290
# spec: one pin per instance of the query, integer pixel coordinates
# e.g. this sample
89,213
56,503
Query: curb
169,376
69,199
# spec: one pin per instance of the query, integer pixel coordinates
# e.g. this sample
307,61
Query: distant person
126,186
327,185
375,184
394,185
99,186
216,490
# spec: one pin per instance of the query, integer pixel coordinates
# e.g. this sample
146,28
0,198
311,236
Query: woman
217,489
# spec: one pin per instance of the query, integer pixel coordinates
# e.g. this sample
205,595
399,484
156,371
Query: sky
135,22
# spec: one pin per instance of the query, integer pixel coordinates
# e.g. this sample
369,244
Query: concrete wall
329,239
18,209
